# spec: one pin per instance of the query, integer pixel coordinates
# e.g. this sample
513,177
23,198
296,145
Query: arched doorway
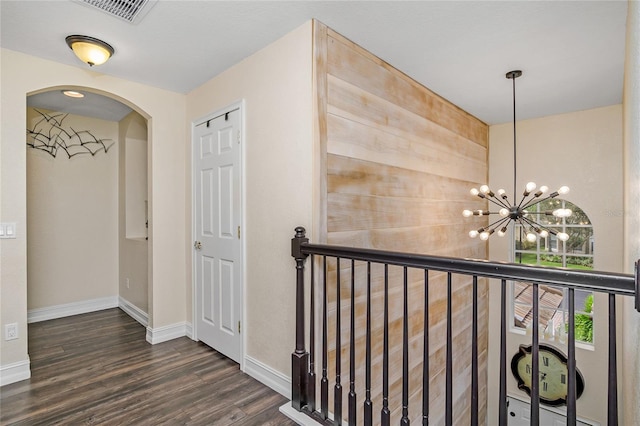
87,204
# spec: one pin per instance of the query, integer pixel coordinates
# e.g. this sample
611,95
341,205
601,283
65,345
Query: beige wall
23,74
72,217
275,84
582,150
133,271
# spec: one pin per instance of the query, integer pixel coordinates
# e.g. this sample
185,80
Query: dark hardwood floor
97,368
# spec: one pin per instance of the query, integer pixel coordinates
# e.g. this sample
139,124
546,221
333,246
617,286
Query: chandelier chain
514,211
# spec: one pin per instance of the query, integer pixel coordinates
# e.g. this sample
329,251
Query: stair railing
304,379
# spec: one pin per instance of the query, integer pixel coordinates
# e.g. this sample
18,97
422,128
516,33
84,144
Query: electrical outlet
128,282
11,331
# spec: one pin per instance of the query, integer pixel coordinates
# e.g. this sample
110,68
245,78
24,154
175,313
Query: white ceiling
571,52
91,105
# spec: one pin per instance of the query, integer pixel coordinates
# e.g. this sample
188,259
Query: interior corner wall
72,216
21,75
630,351
582,150
133,252
275,84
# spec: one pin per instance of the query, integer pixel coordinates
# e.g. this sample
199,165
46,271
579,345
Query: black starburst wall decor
50,135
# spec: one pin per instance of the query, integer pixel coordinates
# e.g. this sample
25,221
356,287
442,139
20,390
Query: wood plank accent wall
396,163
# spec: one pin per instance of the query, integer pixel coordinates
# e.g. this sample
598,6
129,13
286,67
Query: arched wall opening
88,204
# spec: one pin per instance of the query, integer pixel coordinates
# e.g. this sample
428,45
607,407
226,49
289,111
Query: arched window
575,253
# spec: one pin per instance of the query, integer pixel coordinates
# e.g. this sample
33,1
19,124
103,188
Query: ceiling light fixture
90,50
73,94
517,213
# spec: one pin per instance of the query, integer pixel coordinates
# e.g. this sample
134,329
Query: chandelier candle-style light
509,211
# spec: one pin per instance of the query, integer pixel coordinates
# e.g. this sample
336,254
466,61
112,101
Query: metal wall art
49,135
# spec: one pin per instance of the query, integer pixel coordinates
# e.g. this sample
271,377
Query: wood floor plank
97,369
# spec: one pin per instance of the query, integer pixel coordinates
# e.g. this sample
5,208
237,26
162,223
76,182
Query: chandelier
509,211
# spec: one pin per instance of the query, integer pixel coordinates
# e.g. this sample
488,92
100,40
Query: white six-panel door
217,245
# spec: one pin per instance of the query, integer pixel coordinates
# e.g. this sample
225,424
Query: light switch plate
8,230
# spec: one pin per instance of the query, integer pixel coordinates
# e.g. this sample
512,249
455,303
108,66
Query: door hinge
238,327
238,136
238,232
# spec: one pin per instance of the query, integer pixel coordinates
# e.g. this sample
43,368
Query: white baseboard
521,407
16,372
133,311
69,309
268,376
298,417
168,332
189,330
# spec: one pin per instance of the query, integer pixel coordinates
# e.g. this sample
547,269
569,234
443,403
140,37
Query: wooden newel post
300,357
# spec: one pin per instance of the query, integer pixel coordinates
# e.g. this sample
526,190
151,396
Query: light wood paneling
355,65
396,165
320,125
422,149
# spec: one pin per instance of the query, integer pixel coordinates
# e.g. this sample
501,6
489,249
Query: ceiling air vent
129,10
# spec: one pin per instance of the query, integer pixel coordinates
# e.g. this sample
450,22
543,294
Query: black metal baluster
352,349
535,361
571,361
300,357
324,382
311,380
368,405
449,369
385,414
425,353
405,352
474,355
503,419
337,390
612,399
636,277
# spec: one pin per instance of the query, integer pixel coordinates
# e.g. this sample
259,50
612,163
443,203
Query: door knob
197,245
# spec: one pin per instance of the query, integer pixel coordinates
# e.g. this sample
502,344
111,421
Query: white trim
15,372
268,376
166,333
296,416
193,334
243,223
133,311
522,402
188,329
194,316
69,309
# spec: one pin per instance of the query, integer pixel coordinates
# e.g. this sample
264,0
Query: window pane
551,259
579,262
576,253
528,258
580,240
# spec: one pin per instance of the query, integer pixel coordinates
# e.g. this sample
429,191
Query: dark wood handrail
607,282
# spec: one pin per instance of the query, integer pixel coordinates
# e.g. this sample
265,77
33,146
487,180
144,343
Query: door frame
240,106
